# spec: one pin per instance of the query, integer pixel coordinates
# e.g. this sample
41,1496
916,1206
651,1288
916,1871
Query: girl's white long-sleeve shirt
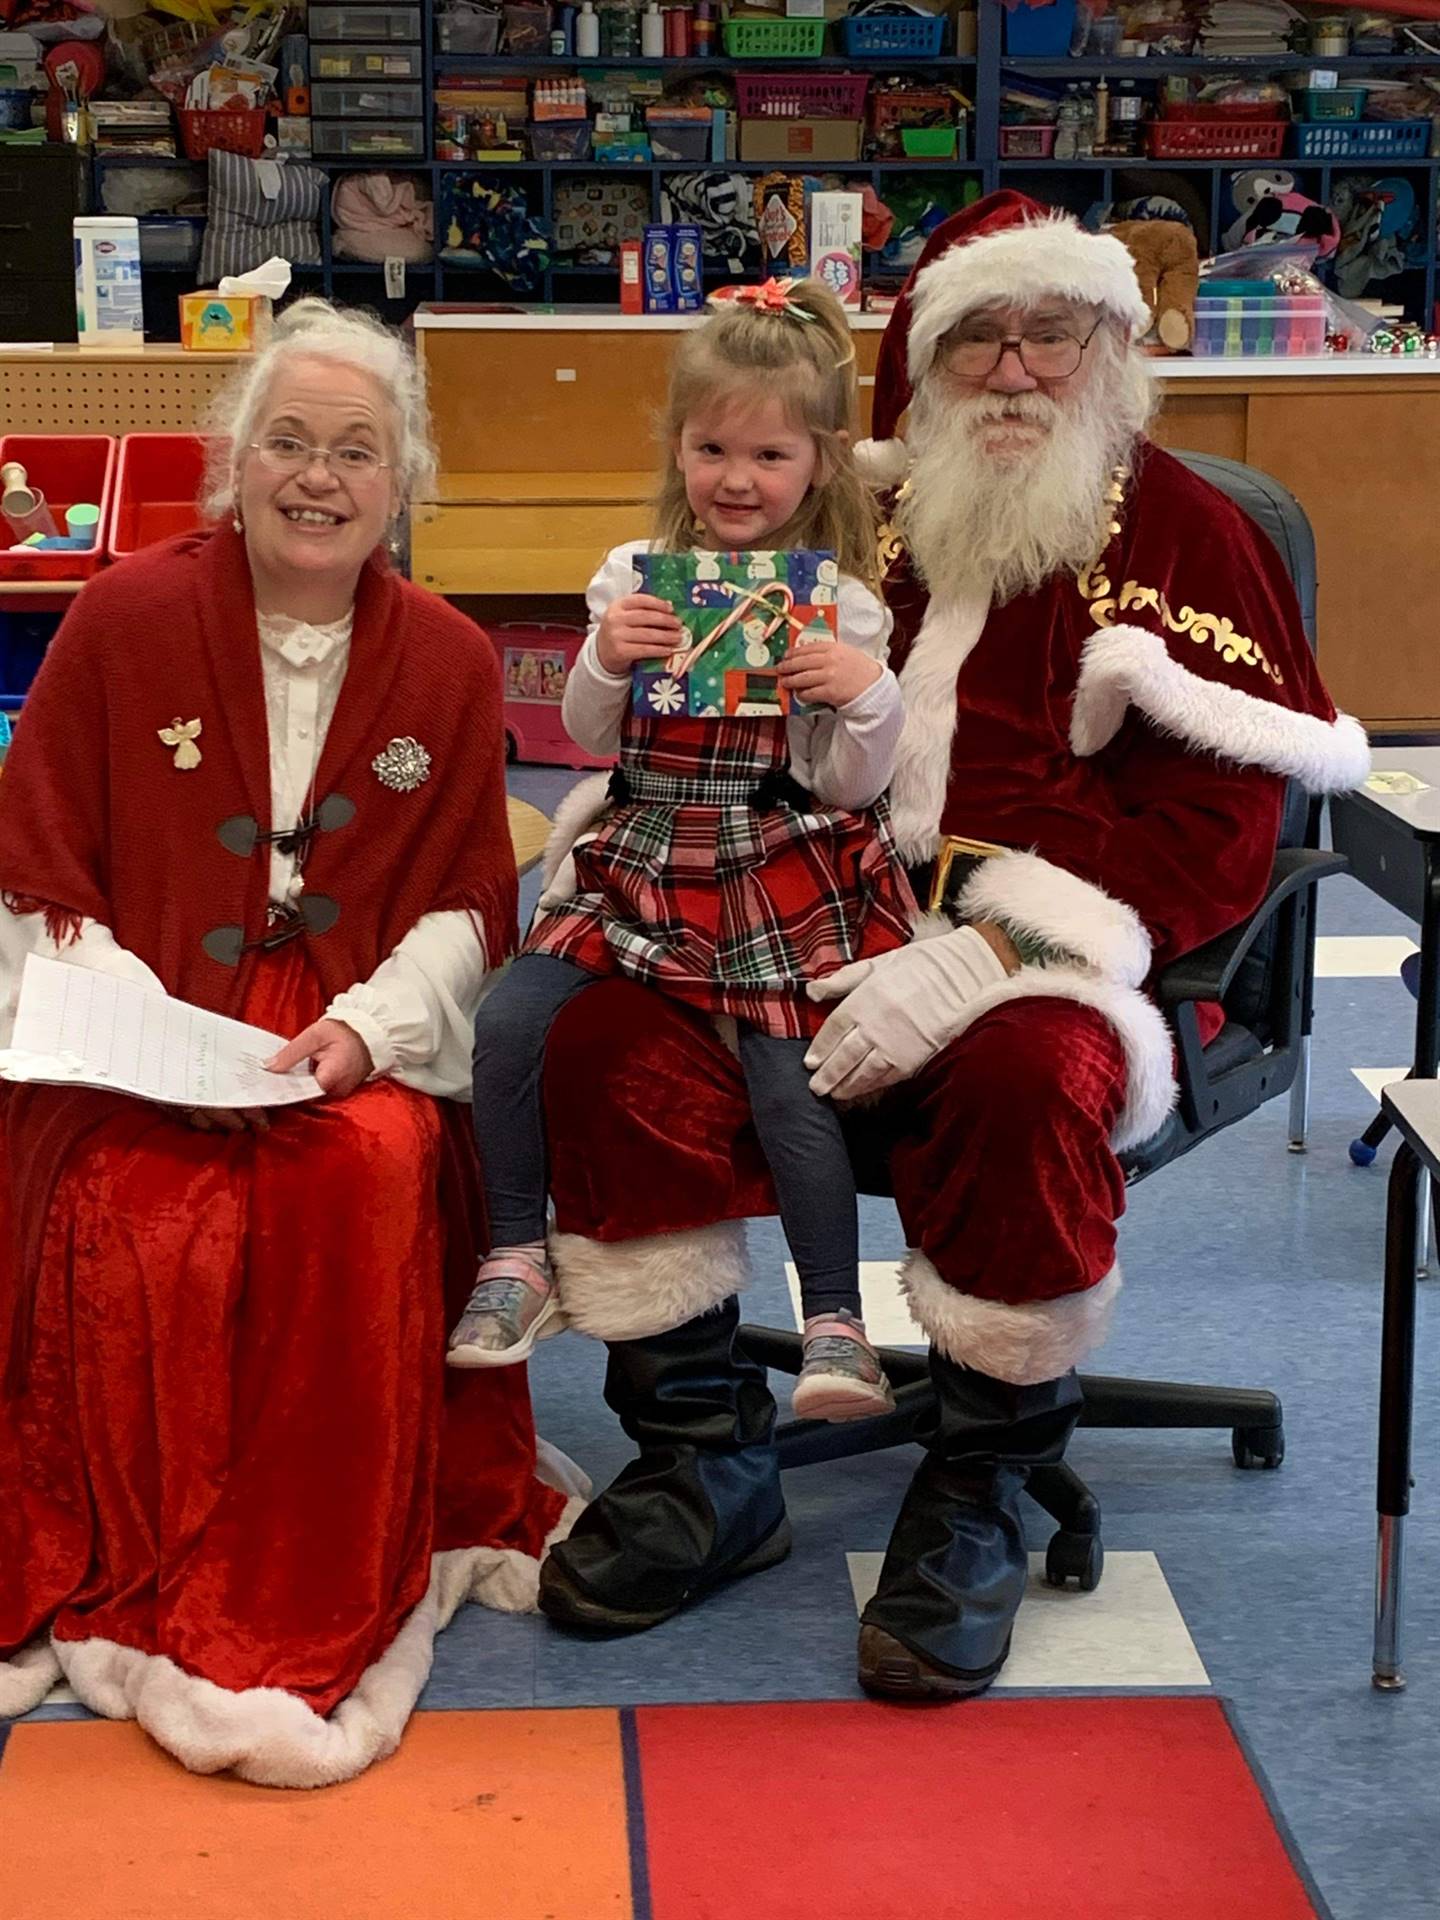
416,1012
845,755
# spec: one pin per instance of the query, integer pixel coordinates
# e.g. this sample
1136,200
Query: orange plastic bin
157,489
68,468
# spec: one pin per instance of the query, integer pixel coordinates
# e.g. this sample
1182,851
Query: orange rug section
1094,1809
479,1816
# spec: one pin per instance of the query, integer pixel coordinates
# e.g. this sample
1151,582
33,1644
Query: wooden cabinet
548,459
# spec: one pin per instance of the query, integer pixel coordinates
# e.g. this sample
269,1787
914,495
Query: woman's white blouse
416,1012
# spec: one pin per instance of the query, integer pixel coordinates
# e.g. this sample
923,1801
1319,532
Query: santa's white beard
1015,516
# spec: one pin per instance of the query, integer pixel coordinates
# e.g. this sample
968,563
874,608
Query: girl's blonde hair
746,354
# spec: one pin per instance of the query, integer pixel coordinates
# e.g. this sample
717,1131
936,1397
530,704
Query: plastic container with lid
1277,325
365,100
363,23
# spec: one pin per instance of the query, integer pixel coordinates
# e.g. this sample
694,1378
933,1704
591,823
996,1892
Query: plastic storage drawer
367,139
363,23
157,490
366,63
166,242
358,100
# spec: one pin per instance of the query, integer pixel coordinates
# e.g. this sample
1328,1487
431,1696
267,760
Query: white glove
897,1011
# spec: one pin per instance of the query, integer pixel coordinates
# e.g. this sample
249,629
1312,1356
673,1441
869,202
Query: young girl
745,856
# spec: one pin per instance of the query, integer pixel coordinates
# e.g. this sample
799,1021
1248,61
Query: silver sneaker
511,1307
841,1377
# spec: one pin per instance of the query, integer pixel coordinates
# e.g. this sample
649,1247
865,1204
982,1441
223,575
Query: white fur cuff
1025,1344
1024,892
583,806
1130,666
630,1289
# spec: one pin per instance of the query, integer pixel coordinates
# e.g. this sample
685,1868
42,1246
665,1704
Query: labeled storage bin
170,242
363,23
68,469
367,139
774,39
883,36
1026,143
359,100
1215,139
366,63
158,479
1236,326
1362,140
231,130
801,96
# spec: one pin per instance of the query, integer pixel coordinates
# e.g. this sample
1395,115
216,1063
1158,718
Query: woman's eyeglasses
283,453
1048,354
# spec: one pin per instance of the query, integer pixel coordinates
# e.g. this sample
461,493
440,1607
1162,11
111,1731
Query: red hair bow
772,296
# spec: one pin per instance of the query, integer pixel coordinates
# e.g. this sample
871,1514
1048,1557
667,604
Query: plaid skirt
721,884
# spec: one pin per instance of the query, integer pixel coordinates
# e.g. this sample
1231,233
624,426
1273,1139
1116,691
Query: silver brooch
403,766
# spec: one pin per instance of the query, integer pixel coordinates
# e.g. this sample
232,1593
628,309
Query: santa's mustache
981,409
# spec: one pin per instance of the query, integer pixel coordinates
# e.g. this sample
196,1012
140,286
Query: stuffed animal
1272,213
1167,265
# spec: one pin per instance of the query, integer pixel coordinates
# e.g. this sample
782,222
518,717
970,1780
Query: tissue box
223,322
742,613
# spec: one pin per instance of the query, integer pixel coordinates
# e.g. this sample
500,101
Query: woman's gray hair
313,329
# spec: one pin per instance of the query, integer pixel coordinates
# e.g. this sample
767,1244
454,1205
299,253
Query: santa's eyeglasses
1047,354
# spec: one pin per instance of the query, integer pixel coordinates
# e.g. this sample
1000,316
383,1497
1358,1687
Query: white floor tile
887,1318
1128,1633
1344,956
1375,1079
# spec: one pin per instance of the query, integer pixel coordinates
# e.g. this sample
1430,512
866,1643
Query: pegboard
108,394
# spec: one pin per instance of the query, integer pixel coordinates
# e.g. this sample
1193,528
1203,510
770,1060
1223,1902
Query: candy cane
780,615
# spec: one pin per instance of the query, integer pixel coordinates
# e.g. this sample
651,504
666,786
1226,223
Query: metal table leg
1300,1100
1397,1387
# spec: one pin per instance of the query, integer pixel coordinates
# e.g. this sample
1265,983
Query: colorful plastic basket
206,130
1362,140
774,39
1214,139
885,36
1330,103
796,96
1026,143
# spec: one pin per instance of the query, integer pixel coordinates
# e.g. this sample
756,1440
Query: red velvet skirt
236,1443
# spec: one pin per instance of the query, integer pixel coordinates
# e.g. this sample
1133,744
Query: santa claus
1107,687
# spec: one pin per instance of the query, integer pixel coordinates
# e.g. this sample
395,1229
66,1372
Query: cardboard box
223,322
835,243
800,140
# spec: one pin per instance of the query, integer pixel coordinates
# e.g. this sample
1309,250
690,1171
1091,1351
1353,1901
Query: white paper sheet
78,1028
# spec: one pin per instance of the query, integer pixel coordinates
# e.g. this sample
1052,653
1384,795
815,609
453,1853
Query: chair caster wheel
1257,1446
1075,1556
1362,1153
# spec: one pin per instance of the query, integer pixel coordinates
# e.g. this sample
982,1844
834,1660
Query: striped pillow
246,227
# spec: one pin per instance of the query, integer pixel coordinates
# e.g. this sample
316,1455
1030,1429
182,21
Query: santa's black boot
700,1506
954,1574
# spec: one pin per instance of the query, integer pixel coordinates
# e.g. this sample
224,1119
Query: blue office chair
1262,974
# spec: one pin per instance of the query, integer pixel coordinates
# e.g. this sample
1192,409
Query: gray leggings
800,1135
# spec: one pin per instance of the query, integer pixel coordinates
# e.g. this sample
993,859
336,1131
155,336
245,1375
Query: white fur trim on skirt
269,1736
630,1289
1021,1343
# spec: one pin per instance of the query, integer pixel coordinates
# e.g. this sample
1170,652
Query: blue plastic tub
1040,33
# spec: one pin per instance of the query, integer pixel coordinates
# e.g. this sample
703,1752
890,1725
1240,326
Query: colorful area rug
1020,1809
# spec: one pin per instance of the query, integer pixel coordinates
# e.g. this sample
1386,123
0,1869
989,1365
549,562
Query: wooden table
1413,1107
529,830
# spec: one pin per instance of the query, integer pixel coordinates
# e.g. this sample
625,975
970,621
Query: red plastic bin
157,490
68,468
224,129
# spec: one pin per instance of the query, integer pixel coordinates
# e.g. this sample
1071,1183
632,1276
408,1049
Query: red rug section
1136,1809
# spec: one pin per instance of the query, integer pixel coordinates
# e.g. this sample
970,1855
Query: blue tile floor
1245,1264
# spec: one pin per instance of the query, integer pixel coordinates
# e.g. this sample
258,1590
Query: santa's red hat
1005,250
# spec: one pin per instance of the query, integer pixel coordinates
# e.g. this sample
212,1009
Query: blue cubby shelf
981,76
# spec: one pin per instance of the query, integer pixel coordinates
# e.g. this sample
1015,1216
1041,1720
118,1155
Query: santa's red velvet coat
1127,734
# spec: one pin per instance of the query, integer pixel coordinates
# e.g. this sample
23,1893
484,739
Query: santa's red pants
998,1152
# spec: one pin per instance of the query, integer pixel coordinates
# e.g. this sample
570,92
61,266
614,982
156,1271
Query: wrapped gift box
743,612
